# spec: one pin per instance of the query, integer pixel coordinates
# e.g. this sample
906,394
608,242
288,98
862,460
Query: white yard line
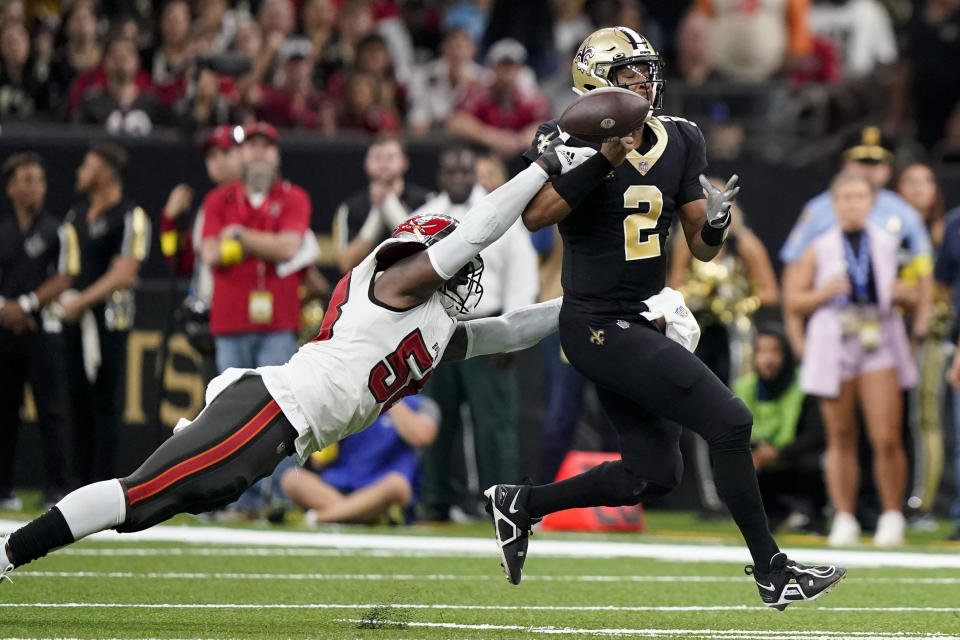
746,634
432,577
538,546
456,607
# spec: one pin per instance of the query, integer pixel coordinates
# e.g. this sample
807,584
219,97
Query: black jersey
121,230
614,243
28,258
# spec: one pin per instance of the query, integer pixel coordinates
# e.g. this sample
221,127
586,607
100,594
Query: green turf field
158,589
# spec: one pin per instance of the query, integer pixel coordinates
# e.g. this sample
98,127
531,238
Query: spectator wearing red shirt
499,113
295,102
251,228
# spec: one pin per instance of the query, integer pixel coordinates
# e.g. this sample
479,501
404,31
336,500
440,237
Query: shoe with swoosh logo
512,526
5,565
788,581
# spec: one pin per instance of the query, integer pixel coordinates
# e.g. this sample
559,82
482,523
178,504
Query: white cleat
845,531
890,529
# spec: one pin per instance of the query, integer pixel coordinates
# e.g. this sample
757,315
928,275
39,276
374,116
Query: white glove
719,202
681,326
561,158
572,157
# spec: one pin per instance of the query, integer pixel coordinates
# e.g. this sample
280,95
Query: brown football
604,114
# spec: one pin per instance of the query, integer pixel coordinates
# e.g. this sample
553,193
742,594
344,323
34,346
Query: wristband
28,302
575,185
231,252
169,242
712,236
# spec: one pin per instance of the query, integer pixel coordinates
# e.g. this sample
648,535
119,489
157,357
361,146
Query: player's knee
654,481
664,478
731,427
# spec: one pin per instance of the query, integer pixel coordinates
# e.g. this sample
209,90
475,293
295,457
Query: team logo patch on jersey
596,336
34,246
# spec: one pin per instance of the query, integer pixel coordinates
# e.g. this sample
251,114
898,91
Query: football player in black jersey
614,211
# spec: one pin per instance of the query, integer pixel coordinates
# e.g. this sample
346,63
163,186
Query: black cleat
512,526
790,581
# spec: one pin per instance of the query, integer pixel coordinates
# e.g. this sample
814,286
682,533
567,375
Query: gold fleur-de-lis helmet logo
585,53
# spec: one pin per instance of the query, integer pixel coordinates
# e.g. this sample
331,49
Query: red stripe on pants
207,458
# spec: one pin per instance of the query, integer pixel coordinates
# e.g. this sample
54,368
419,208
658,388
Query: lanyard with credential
858,266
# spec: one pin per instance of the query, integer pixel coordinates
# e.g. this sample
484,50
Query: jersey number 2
636,245
390,378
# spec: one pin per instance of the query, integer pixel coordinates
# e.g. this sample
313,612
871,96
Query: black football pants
239,438
648,386
36,358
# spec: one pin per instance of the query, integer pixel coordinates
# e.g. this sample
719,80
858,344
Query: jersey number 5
636,244
390,379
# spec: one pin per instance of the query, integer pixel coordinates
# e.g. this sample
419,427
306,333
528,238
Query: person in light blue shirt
869,155
890,212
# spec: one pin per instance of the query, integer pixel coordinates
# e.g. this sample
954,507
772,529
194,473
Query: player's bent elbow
535,219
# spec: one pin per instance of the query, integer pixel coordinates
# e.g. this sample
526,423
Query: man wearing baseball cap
256,241
500,113
250,226
870,155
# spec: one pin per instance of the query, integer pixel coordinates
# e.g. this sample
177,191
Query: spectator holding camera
857,355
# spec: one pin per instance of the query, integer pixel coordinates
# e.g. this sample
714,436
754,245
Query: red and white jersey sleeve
366,357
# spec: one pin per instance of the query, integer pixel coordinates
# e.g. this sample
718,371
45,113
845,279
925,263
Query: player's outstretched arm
557,199
413,280
513,331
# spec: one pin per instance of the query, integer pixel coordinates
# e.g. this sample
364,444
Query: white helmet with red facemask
459,294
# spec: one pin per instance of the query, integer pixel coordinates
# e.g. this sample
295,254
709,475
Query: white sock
4,560
93,508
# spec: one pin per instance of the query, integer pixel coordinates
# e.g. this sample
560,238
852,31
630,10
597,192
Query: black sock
736,481
37,538
600,486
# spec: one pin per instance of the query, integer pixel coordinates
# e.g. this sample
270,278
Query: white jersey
366,357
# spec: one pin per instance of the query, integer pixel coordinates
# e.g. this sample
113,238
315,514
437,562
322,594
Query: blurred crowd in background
871,82
487,70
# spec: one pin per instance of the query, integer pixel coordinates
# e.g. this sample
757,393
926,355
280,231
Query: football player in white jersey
390,321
